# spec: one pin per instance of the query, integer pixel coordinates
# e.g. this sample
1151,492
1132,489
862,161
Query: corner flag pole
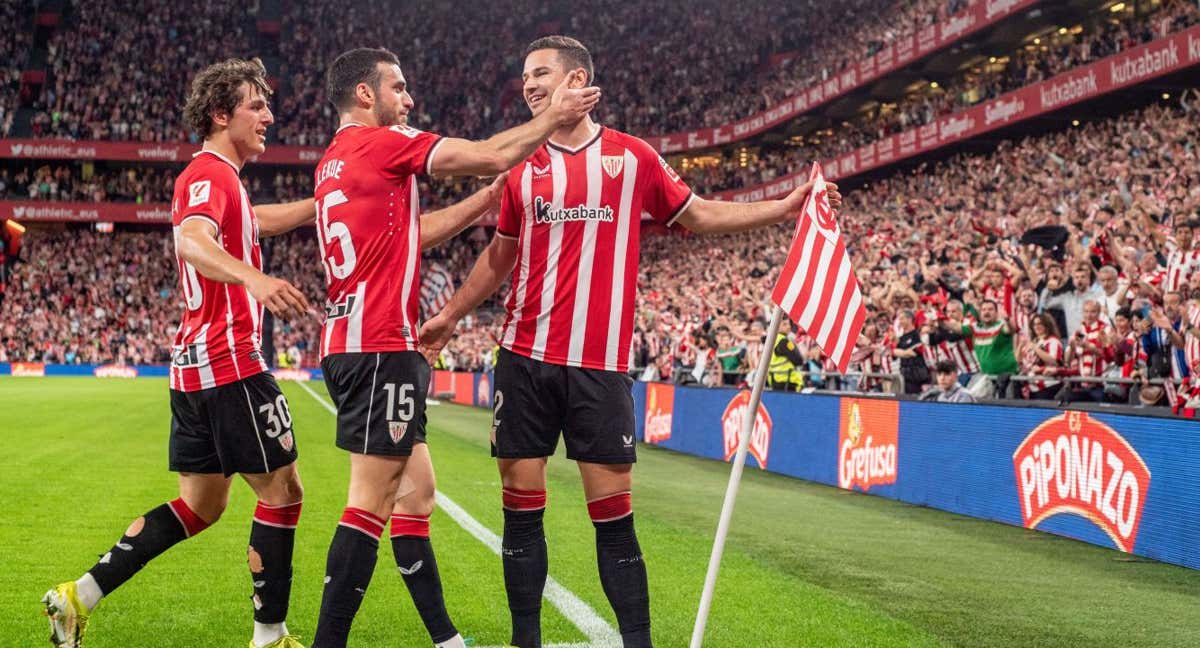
735,479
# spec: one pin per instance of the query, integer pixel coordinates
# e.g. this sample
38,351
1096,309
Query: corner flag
817,287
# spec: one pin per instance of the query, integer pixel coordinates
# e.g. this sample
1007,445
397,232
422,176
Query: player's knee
415,496
281,488
210,511
292,490
415,503
379,499
208,505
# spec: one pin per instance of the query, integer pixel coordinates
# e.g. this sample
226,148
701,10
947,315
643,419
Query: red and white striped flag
817,288
437,287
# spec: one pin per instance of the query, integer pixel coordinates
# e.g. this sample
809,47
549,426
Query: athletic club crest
613,164
397,429
287,441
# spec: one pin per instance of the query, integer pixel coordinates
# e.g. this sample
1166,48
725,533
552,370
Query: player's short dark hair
352,68
218,89
572,52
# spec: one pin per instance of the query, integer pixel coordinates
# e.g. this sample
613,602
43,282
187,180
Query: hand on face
572,104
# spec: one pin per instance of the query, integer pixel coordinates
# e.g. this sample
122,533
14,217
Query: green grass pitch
806,565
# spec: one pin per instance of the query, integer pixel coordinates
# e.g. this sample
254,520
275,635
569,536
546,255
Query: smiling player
571,215
371,236
227,413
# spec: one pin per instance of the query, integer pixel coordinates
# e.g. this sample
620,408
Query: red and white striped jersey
369,228
220,334
1092,363
1180,265
932,353
886,361
1155,278
576,216
961,353
1051,346
1023,322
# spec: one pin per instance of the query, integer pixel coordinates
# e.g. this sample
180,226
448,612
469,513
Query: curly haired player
227,413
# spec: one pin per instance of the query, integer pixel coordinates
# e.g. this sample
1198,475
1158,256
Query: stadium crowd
119,71
763,61
93,93
1028,261
82,297
1034,62
83,183
14,55
959,261
753,67
1059,255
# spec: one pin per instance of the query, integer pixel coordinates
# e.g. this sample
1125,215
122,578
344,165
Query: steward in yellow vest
783,371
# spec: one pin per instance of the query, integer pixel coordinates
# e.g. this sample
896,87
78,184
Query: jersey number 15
337,231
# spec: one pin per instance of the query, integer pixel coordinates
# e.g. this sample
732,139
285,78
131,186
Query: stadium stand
131,102
116,72
1104,34
918,235
1019,224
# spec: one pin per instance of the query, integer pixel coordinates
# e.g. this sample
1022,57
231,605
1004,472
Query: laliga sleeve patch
670,171
407,131
198,192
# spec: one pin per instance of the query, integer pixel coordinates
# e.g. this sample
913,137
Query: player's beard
387,117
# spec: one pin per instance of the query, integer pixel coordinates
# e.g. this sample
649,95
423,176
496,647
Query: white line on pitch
599,633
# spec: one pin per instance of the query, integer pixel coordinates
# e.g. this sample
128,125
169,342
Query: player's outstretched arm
506,149
280,218
721,217
491,268
443,224
197,245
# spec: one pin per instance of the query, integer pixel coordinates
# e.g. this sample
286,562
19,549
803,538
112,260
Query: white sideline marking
597,630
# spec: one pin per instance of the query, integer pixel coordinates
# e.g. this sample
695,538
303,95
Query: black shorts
242,427
535,401
380,400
